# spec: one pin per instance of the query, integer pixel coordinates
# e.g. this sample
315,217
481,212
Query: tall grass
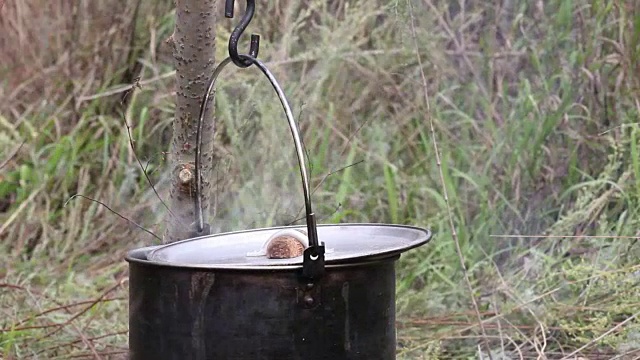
535,107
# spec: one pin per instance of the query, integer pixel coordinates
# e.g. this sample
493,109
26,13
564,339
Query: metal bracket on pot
313,256
313,265
309,295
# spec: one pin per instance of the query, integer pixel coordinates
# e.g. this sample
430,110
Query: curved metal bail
241,60
313,260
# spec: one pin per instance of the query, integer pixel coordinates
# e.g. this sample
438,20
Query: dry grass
535,108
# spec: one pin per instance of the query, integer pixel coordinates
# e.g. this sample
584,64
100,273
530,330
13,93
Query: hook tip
228,8
255,45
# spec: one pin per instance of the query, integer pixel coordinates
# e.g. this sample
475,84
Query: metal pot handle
313,257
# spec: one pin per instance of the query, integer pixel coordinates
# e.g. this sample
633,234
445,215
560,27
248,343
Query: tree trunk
193,43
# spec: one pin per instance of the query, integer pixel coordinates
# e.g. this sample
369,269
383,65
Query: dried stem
45,312
567,236
71,343
142,167
324,178
15,151
80,313
454,234
116,213
602,336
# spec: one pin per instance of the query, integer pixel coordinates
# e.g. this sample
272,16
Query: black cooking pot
223,297
206,299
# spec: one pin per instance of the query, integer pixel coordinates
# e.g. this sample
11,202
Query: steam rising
256,181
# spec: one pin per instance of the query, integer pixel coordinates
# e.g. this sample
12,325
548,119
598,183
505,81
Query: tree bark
193,42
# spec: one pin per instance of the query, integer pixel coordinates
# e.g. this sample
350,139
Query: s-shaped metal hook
238,59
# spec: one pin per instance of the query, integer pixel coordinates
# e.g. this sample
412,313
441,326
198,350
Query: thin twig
334,172
335,211
338,207
350,139
626,354
454,234
324,178
603,335
20,208
84,339
87,342
142,167
300,59
12,286
15,151
136,84
622,126
57,308
107,353
566,236
126,88
290,61
116,213
513,297
71,343
344,149
149,160
83,311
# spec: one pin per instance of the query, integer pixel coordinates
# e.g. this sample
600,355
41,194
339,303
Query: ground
534,106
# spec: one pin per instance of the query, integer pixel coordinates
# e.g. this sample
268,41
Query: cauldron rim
138,255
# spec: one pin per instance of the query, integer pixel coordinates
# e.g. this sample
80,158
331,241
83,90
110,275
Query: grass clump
535,109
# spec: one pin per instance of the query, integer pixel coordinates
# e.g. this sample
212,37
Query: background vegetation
535,106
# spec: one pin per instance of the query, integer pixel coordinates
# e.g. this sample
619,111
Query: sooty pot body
214,314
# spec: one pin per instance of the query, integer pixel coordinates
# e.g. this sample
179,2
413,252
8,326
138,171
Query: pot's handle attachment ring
313,258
